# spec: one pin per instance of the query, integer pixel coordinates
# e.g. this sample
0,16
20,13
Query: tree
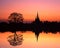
15,17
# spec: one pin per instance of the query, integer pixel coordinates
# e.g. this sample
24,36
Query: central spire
37,15
37,18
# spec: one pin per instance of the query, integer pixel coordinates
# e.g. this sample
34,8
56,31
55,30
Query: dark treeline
34,26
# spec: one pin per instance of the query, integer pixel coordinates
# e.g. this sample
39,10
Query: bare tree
15,17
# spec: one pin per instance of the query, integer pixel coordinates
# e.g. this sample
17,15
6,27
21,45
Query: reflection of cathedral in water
15,39
37,25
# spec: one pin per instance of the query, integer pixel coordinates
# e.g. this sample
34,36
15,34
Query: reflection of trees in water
15,39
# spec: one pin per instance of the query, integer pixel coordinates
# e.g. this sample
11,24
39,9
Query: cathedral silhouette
36,24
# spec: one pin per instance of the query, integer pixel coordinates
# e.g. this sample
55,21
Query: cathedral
37,20
36,25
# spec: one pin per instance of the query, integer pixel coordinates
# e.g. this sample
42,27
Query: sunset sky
47,9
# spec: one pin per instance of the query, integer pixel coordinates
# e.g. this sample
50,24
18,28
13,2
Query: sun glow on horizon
49,10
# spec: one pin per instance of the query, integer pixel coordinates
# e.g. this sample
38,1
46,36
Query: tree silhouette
15,17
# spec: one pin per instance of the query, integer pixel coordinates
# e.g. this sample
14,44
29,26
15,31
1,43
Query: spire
37,18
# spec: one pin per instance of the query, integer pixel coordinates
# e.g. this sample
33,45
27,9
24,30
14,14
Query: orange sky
45,40
47,9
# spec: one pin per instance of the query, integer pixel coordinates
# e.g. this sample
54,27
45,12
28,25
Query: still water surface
48,40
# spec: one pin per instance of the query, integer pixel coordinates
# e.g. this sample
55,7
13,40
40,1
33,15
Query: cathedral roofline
37,17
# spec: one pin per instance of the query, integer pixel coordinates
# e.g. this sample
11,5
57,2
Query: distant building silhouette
37,20
36,24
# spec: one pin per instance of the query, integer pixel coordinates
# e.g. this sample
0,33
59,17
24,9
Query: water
48,40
